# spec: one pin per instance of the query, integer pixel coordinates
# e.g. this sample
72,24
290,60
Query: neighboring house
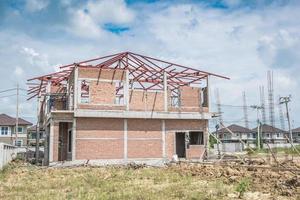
248,136
270,134
8,130
32,133
296,135
124,107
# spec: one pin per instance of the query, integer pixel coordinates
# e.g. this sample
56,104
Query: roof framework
144,71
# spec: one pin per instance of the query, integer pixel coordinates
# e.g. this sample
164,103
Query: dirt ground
226,180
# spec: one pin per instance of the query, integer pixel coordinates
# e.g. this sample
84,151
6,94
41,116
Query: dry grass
20,181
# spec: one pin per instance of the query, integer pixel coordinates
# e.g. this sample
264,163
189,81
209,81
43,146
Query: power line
8,90
8,96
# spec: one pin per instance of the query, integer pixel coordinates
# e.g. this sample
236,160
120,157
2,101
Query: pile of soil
266,180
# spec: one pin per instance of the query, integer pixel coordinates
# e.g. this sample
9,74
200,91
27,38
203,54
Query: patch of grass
243,186
30,182
285,150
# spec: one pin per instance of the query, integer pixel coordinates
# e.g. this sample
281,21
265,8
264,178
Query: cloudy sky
234,38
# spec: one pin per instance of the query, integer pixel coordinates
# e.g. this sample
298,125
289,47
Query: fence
7,153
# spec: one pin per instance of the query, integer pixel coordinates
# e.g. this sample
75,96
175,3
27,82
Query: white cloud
35,59
36,5
83,25
242,44
109,11
18,71
88,20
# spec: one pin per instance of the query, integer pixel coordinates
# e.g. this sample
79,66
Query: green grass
30,182
283,150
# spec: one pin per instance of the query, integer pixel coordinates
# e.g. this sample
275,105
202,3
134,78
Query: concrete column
126,90
163,131
74,139
77,89
125,140
206,139
51,141
208,92
165,92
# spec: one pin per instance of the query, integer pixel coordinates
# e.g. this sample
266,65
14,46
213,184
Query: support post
51,143
165,92
163,128
76,89
208,92
74,139
125,140
126,90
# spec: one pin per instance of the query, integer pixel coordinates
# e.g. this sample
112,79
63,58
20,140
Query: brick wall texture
103,138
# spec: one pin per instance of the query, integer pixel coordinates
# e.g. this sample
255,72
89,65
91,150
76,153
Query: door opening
180,145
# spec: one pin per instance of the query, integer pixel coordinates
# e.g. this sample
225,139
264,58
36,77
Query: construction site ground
247,179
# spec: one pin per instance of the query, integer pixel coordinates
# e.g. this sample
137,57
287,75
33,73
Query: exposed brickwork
183,125
99,149
170,137
195,151
99,128
190,96
144,149
149,101
103,74
102,92
143,128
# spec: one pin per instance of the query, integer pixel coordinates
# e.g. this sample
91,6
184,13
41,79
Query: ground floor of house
21,141
124,139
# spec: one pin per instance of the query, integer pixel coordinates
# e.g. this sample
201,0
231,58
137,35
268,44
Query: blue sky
239,39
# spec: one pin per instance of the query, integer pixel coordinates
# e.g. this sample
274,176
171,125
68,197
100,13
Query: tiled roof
6,120
265,128
32,128
236,129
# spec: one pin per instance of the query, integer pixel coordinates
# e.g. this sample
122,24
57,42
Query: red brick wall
170,144
99,149
109,74
173,126
177,124
99,138
190,96
144,138
195,151
104,138
149,101
102,92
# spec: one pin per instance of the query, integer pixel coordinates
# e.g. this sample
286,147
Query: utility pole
245,110
218,141
286,100
257,108
17,114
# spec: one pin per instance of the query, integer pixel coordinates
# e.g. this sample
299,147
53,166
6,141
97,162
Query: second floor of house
90,90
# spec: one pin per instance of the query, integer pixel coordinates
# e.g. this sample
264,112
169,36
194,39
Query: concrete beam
140,114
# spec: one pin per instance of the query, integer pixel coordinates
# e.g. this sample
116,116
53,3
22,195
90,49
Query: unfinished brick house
123,107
